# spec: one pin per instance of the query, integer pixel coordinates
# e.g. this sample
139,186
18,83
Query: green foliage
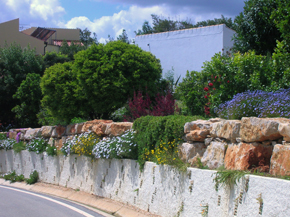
118,115
117,147
216,21
15,64
19,146
123,37
51,150
60,100
7,144
33,178
228,177
3,136
37,145
51,58
153,130
13,177
226,75
108,75
86,39
70,50
29,96
255,28
77,120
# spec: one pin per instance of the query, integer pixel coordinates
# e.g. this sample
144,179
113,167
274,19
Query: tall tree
86,37
255,28
123,37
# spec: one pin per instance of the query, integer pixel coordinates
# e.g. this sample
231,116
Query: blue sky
109,17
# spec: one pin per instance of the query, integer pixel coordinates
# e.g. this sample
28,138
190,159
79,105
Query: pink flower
210,84
228,81
205,96
205,89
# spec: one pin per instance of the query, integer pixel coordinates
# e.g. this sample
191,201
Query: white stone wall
160,189
186,49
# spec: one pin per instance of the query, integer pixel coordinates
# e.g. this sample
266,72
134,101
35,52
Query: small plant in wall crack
228,177
261,203
181,208
13,177
33,178
204,211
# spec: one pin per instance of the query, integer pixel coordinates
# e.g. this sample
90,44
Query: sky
110,17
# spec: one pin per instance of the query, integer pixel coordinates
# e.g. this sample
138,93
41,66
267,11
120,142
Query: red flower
215,76
205,89
213,88
213,80
228,81
208,94
210,84
205,96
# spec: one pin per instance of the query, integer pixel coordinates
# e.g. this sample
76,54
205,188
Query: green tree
70,50
51,58
146,29
15,64
123,37
59,86
223,20
29,96
110,73
255,28
86,39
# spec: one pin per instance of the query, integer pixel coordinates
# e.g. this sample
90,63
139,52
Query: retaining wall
159,189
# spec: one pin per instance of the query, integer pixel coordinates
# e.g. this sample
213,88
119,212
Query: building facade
41,39
187,50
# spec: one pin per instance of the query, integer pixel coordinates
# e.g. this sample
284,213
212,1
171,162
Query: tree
59,85
15,64
109,74
281,17
123,37
70,50
223,20
51,58
29,96
255,28
146,29
86,39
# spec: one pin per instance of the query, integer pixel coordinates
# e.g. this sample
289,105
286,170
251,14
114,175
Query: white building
187,49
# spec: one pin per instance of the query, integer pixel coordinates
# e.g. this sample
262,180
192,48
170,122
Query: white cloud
131,20
45,8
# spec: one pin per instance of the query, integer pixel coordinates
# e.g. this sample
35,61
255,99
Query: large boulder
188,151
280,161
197,135
261,129
227,129
58,131
88,126
197,125
214,155
46,131
284,130
32,133
247,156
117,129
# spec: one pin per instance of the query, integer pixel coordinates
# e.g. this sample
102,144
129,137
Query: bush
7,144
51,150
153,130
117,147
81,145
37,145
13,177
19,146
258,104
33,178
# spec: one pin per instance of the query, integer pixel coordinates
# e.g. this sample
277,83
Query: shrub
13,177
258,104
33,178
81,145
150,131
19,146
3,136
7,144
51,150
37,145
117,147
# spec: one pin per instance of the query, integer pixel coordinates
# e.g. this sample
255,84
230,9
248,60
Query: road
21,203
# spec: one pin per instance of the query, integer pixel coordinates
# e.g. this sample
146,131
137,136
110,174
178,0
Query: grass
18,147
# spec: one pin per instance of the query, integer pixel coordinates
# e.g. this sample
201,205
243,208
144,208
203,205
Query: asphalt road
20,203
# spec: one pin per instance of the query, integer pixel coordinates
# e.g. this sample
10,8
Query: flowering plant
117,147
37,145
7,144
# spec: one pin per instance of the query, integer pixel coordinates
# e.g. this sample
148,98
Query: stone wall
261,144
57,135
159,189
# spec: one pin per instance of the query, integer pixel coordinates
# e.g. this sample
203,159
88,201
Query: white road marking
52,200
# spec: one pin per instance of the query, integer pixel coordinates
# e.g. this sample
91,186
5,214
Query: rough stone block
247,156
46,131
280,161
70,129
58,143
188,151
197,125
32,133
58,131
78,128
197,135
89,124
284,130
214,155
228,129
261,129
118,129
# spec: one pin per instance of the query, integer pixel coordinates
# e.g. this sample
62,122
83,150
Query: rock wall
159,189
261,144
57,135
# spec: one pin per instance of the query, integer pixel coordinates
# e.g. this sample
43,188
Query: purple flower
18,137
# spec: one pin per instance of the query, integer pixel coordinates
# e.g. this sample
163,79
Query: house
42,39
186,50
